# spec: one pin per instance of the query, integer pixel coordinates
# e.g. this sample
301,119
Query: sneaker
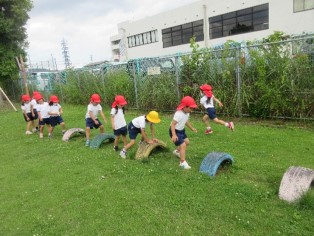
87,143
231,126
49,135
115,148
34,130
123,154
41,135
28,132
176,153
208,131
185,165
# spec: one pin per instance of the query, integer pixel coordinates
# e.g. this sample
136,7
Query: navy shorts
29,115
90,123
45,121
35,117
181,136
211,112
133,131
122,131
55,120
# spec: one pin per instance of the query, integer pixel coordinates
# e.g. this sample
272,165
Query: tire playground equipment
145,149
72,133
213,161
295,182
100,139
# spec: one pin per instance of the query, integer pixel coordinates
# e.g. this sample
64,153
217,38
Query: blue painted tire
100,139
213,161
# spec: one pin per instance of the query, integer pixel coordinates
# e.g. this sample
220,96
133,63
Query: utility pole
65,52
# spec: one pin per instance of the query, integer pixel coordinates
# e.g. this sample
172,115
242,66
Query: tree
13,36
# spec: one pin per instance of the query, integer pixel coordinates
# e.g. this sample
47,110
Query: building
212,22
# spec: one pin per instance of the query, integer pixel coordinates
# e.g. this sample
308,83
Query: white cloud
85,25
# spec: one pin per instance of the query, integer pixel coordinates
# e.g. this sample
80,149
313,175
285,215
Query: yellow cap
153,117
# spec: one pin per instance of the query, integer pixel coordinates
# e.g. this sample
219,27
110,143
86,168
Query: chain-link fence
260,80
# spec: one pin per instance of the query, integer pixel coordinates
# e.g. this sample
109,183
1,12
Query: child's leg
130,144
87,133
229,125
101,129
206,120
124,140
28,126
216,120
41,131
116,141
63,126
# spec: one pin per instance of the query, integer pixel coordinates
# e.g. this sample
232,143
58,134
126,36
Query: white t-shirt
43,109
26,107
203,101
94,109
34,103
55,108
118,118
139,122
181,117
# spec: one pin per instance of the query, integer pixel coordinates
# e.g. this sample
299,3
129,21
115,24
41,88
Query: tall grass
51,187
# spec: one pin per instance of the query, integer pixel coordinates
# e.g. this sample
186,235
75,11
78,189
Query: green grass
51,187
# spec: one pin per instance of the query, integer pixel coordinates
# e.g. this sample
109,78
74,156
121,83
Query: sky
85,25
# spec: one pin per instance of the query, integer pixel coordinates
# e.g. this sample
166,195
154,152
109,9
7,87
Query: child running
26,109
207,101
92,121
55,112
137,126
177,129
118,122
43,116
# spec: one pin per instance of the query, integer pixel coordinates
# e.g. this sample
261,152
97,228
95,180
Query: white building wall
281,18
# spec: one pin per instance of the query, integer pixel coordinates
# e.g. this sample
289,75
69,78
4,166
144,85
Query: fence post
176,58
135,82
238,78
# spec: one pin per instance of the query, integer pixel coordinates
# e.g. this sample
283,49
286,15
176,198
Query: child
91,119
177,129
118,122
43,116
26,109
137,126
34,112
207,100
55,112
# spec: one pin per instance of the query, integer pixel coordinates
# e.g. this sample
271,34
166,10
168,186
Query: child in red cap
26,109
55,112
177,129
43,116
91,119
207,101
118,122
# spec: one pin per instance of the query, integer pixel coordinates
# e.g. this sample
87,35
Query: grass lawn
51,187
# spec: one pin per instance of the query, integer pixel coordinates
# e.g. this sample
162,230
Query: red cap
35,93
95,98
119,100
207,90
26,97
54,99
38,96
187,102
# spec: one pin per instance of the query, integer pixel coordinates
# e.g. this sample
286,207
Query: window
239,22
181,34
142,39
302,5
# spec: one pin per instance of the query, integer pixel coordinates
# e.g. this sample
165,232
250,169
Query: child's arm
32,110
60,111
25,115
91,115
217,100
39,116
145,137
112,121
153,133
188,124
103,116
174,137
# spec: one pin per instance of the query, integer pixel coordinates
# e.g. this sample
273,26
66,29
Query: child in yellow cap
137,126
